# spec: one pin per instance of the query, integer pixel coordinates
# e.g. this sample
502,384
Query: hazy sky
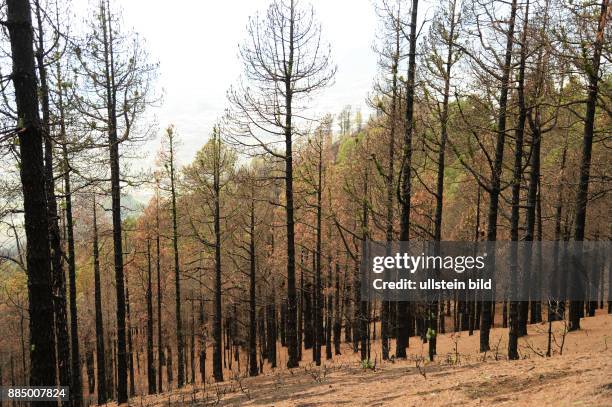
196,43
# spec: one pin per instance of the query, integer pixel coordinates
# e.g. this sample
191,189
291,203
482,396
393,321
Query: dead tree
285,62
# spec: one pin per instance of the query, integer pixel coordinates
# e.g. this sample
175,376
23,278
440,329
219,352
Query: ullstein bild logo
521,271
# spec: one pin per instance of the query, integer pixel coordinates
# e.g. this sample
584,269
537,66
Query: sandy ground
460,375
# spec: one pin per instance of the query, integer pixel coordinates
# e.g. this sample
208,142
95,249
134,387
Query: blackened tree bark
363,314
587,145
300,315
405,178
516,308
319,301
58,276
100,352
202,333
30,132
389,60
160,347
253,371
329,312
113,143
130,342
337,314
495,187
76,387
217,367
180,346
151,377
271,326
446,31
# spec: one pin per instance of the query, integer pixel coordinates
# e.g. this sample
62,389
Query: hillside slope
582,375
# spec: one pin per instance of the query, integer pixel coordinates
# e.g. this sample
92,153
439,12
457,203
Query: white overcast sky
196,44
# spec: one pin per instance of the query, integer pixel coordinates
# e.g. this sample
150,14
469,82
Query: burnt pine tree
389,59
30,133
499,71
591,68
534,176
169,162
58,276
439,61
76,380
285,62
209,175
495,187
405,176
151,379
517,175
100,352
253,371
116,79
216,189
160,348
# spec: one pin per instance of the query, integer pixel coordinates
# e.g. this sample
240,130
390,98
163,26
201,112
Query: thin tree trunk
318,320
76,389
390,188
330,307
441,165
252,281
338,314
403,306
151,376
100,352
217,363
160,346
129,337
180,346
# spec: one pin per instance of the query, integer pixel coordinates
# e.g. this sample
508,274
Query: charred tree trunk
253,371
271,328
160,346
390,188
151,376
58,276
180,344
318,319
129,337
330,307
441,166
486,316
403,310
292,360
111,106
76,388
337,314
100,351
300,315
217,323
587,147
308,312
42,341
518,321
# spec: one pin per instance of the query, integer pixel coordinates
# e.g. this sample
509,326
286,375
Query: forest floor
460,375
